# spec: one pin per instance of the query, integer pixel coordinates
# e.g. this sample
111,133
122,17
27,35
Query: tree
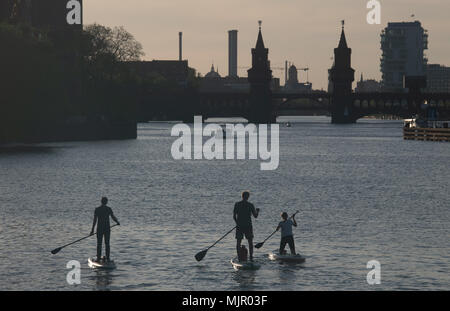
109,86
116,42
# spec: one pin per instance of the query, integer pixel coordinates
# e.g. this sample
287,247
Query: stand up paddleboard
247,265
105,265
275,256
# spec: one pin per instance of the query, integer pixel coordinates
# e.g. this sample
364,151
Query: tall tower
342,76
259,77
232,53
180,46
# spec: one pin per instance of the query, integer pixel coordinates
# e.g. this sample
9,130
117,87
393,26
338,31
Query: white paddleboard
247,265
106,265
275,256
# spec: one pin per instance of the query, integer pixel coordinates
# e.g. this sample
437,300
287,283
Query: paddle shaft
277,230
221,238
79,240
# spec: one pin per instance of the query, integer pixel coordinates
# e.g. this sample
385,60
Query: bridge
261,105
403,105
228,104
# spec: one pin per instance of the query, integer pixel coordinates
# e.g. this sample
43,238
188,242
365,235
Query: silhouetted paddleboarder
101,218
242,215
287,237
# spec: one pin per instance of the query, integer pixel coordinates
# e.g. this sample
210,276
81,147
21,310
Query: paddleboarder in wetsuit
101,217
242,215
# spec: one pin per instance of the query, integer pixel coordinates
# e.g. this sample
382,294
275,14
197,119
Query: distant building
172,70
293,85
403,45
213,74
438,78
215,83
367,86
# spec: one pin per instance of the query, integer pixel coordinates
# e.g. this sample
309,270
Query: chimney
285,72
232,53
181,46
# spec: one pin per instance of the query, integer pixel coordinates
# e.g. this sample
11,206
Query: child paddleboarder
287,237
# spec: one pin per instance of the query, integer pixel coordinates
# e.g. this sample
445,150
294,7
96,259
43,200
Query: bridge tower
260,77
342,76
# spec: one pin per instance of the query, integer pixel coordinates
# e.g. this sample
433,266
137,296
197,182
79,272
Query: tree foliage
115,42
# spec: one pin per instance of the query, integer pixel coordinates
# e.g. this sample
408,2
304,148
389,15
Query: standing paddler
101,218
242,215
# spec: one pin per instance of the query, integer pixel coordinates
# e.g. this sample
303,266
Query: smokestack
285,72
232,53
181,46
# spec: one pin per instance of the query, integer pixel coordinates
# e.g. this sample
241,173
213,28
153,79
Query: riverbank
75,132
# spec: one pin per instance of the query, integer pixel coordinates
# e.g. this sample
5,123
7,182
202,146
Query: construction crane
307,73
273,68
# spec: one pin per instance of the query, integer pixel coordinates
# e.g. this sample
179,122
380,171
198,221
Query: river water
363,194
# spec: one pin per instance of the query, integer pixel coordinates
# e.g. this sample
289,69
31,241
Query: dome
213,74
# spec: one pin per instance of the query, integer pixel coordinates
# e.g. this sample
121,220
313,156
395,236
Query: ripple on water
360,189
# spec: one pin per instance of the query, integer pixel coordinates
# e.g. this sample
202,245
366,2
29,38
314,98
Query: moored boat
425,130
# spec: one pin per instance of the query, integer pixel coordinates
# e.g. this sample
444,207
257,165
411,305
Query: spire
260,42
343,40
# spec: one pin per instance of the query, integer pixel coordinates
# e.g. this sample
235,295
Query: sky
304,32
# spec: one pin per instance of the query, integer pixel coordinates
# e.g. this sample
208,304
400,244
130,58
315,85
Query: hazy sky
301,31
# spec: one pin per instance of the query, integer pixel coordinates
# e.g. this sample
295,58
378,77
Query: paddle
259,245
202,254
57,250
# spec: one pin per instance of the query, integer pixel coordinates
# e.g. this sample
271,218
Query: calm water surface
363,193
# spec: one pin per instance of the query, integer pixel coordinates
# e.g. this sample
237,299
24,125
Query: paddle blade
259,245
201,255
56,250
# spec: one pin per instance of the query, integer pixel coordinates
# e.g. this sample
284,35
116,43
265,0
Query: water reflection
103,280
244,278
